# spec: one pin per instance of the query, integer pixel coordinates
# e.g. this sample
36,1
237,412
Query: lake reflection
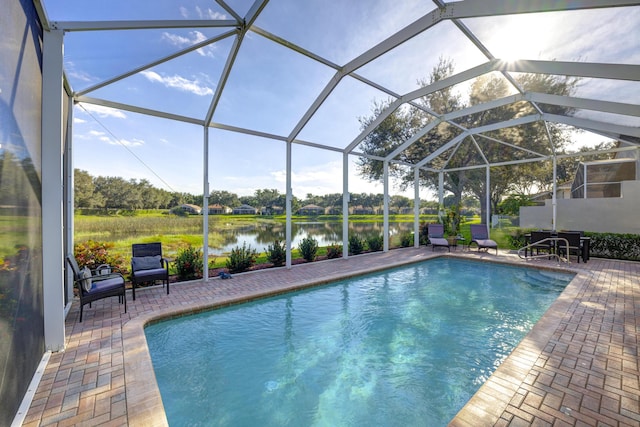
260,235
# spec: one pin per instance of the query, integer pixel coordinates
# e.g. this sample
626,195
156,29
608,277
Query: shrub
406,239
308,248
241,258
517,240
334,251
356,245
375,243
91,254
189,263
277,253
424,233
615,246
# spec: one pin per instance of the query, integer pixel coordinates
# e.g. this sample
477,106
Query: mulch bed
213,272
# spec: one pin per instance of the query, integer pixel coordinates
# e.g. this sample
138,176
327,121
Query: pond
260,235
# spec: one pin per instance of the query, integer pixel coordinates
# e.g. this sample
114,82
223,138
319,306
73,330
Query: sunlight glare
520,37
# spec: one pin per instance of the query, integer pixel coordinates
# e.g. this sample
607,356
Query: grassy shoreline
177,231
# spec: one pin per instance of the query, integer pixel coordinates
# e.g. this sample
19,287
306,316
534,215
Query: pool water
405,347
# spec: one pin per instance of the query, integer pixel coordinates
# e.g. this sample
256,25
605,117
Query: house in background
603,197
272,210
311,210
188,208
362,210
245,210
219,209
333,210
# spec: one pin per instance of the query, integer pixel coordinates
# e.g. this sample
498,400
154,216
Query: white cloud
128,143
103,112
193,86
78,120
94,135
73,73
206,13
194,37
209,14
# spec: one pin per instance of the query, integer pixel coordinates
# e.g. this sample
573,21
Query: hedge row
615,246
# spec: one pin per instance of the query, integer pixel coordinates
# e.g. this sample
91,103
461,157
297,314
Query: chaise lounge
480,236
436,237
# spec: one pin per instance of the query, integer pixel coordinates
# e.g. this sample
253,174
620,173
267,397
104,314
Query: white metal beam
592,124
507,144
345,205
385,206
256,8
139,110
53,256
288,207
506,124
422,132
330,86
205,203
585,104
224,76
229,10
470,9
157,62
374,124
442,149
576,69
68,26
416,207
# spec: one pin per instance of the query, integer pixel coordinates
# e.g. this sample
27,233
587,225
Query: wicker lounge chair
436,237
148,265
94,285
480,236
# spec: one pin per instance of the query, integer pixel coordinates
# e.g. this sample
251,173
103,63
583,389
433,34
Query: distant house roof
191,208
244,209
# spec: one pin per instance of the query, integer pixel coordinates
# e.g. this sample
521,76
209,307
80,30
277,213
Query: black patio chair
538,243
148,265
97,284
575,248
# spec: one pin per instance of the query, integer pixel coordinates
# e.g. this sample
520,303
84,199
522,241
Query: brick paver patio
577,367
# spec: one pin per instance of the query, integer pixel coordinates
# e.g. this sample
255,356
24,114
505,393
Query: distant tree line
118,193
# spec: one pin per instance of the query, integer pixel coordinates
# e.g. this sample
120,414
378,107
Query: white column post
440,195
53,257
69,185
345,205
416,207
554,203
488,198
584,184
385,207
288,200
205,205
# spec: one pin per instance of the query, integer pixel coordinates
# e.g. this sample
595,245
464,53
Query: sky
271,87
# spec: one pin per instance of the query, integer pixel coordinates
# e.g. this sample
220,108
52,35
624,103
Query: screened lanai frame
237,27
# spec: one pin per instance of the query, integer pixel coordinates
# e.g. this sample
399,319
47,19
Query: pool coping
488,404
144,402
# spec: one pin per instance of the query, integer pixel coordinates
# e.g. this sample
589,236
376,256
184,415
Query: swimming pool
408,346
